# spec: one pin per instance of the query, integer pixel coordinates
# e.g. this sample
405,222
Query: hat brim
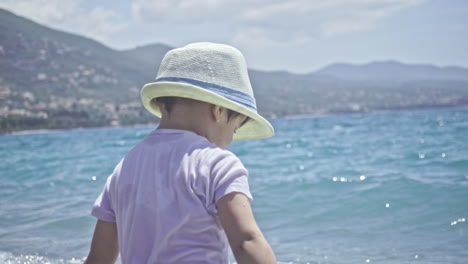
257,127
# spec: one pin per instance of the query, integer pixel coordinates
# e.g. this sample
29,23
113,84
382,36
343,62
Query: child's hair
169,101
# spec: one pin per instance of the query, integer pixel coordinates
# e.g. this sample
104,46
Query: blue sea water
359,188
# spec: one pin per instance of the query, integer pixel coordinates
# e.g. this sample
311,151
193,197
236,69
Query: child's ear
217,112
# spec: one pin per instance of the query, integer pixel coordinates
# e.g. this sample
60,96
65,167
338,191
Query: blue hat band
233,95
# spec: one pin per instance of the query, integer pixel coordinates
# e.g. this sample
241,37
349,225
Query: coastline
289,117
47,131
377,111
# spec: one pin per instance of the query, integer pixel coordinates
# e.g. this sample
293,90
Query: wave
11,258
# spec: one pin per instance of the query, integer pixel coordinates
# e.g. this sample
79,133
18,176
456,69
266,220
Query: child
177,195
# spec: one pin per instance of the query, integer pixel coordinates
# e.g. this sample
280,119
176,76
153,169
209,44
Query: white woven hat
212,73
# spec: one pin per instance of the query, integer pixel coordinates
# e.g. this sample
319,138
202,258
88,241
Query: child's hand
245,237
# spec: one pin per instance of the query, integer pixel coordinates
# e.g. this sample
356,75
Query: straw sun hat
212,73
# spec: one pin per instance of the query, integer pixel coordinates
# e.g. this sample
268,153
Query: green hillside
53,79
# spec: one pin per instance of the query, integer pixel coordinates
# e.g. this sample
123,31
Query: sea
387,187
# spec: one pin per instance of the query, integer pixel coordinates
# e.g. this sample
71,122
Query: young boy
178,194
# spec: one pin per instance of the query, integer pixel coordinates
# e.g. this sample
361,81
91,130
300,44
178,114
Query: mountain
393,70
151,54
48,62
54,79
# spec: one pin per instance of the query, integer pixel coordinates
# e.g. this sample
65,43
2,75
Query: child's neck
187,118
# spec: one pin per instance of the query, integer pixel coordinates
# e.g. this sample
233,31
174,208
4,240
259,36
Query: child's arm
245,237
104,247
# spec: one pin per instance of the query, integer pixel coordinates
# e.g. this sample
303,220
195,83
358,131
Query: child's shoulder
185,144
205,148
217,158
197,149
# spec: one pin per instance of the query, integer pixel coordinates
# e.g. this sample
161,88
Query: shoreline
56,130
287,117
378,111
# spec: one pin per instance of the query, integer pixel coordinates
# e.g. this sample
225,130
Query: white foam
10,258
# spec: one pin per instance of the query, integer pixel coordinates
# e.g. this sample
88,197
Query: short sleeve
103,207
228,175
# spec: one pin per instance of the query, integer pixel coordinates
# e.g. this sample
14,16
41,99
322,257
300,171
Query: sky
295,35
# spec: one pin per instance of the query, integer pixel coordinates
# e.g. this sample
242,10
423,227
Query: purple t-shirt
163,195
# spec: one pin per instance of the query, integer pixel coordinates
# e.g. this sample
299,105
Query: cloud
278,21
176,11
98,23
101,23
43,11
